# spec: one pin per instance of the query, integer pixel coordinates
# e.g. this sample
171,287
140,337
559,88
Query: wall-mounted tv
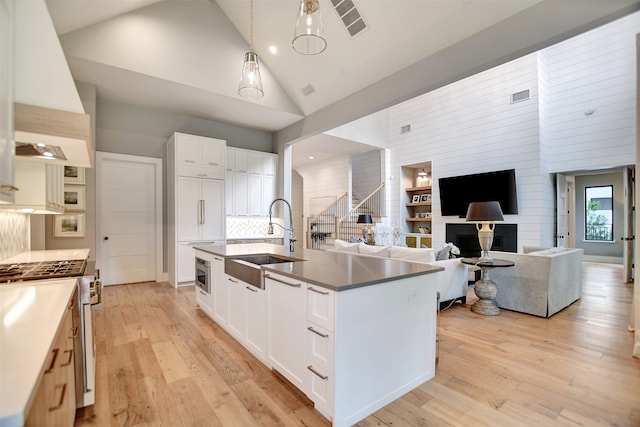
456,192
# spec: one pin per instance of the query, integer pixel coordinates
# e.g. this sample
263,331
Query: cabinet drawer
320,348
320,306
200,171
320,390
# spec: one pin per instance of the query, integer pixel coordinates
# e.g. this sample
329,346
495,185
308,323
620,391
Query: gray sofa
542,282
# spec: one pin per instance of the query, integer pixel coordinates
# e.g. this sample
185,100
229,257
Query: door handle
105,238
204,212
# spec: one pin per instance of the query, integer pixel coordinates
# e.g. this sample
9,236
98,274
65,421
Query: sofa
452,284
542,282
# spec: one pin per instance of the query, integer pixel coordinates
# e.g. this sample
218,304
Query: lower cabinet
54,403
247,316
205,301
219,286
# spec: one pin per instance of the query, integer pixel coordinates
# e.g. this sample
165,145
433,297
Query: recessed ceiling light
311,157
273,49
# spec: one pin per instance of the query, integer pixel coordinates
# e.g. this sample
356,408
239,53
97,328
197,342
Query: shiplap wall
593,71
471,126
329,178
368,172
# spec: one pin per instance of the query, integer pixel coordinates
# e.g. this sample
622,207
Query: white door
213,217
565,211
629,224
128,218
189,209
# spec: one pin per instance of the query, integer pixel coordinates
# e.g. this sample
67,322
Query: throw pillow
343,246
412,254
443,253
365,249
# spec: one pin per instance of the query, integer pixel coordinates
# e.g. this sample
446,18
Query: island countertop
337,271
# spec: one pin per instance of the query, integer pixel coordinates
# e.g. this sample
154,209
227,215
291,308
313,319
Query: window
598,213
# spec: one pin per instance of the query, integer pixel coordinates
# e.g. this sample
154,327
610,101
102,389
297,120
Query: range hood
65,135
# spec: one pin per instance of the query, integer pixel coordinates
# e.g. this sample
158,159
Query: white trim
603,259
101,156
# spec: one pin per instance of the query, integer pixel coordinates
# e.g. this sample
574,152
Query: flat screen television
456,192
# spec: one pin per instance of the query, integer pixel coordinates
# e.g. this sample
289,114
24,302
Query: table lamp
365,219
485,214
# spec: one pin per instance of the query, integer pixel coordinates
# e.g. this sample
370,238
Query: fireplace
465,237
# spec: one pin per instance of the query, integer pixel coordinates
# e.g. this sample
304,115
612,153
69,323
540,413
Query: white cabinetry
7,144
236,325
195,193
286,326
252,181
41,187
220,287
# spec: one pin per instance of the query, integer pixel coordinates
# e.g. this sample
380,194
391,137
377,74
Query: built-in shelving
417,205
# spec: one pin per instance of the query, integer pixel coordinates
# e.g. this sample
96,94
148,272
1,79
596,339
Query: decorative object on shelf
415,198
485,214
309,38
452,250
250,80
74,198
424,230
425,197
68,225
366,230
423,179
73,175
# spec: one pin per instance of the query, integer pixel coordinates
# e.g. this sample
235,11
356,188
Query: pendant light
309,38
250,80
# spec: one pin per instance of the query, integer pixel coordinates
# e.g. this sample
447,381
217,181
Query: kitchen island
352,333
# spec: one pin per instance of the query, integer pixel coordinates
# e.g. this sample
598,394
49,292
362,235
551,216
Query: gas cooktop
41,270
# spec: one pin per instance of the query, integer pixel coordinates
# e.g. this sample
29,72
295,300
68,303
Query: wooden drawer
320,306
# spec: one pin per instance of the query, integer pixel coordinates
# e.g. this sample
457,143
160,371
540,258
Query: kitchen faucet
292,237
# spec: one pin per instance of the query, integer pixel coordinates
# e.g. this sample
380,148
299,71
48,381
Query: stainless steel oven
203,272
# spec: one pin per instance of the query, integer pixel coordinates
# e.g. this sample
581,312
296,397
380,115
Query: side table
485,289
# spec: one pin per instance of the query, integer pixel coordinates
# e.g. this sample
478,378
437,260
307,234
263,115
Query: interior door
128,218
629,224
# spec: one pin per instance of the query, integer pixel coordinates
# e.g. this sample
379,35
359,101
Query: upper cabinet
41,187
7,146
200,157
250,182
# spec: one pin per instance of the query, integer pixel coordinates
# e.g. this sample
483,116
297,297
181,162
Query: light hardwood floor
162,362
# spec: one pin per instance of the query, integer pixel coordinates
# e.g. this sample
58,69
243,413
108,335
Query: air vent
350,16
307,90
520,96
405,129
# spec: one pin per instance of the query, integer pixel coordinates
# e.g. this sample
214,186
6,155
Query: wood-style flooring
162,362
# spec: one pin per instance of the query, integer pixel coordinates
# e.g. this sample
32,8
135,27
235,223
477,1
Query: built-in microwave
203,272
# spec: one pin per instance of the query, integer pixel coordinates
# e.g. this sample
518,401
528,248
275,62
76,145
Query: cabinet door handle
70,359
189,161
317,291
310,328
203,293
204,211
6,187
293,285
214,164
217,259
62,393
251,289
53,360
232,280
318,374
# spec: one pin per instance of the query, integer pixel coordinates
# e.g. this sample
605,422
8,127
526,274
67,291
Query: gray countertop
338,271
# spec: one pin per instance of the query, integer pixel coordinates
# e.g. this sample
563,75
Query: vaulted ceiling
185,56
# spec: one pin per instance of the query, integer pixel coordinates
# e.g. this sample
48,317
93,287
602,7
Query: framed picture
73,175
416,198
74,198
71,225
425,198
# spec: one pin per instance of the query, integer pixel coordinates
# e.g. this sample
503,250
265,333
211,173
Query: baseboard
603,259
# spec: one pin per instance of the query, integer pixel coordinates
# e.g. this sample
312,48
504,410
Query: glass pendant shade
250,81
309,38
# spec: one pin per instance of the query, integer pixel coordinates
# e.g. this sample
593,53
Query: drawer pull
232,280
5,187
62,393
70,359
310,328
203,293
216,258
251,289
53,361
317,291
293,285
318,374
189,161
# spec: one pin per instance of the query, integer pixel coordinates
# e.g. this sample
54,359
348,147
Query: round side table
485,289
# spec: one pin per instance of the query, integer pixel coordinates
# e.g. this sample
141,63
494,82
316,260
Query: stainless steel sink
247,267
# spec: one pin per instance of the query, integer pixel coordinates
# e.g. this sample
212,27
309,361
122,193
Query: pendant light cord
251,28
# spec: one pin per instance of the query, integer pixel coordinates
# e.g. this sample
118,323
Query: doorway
129,242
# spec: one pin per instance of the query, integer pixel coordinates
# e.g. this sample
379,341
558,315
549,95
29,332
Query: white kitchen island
352,333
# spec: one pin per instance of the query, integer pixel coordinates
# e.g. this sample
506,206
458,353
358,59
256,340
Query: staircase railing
373,204
323,225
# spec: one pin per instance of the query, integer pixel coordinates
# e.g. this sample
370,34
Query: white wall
470,127
594,71
367,172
